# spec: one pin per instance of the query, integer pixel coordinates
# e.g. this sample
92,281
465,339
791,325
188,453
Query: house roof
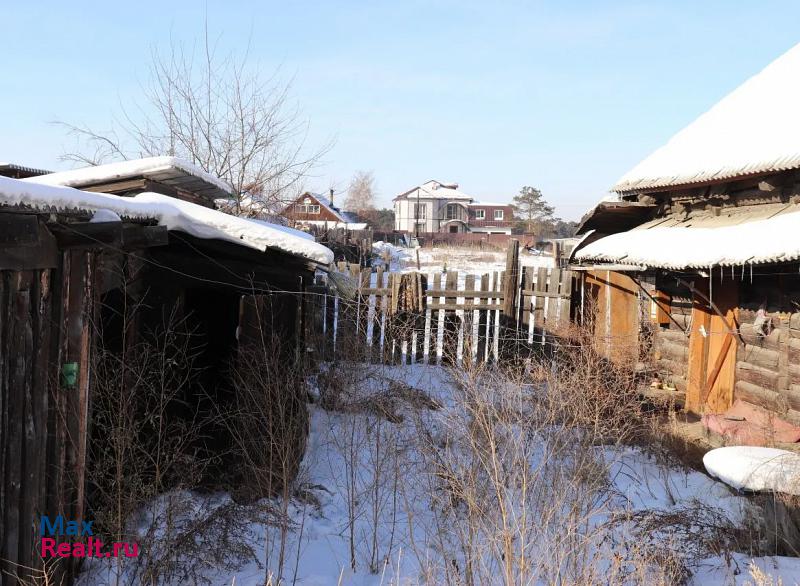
325,202
738,236
19,171
433,189
175,214
752,130
170,171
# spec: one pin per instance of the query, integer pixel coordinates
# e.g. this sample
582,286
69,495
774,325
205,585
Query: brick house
440,207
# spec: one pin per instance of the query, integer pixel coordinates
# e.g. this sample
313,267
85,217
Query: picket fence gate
443,317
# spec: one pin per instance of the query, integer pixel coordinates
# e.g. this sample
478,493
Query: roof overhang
126,176
610,217
765,234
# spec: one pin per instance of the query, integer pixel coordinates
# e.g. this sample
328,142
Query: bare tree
219,113
361,193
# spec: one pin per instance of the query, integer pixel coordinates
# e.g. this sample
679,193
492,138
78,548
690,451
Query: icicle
710,281
751,273
733,273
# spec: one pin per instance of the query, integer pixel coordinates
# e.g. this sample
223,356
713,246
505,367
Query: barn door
712,350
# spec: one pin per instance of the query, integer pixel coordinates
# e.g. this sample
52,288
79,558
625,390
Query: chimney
332,197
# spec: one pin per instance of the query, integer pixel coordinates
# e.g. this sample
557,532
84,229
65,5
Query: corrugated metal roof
755,234
170,171
752,130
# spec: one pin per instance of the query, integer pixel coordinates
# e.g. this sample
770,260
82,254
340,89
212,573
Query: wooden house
70,261
697,256
317,210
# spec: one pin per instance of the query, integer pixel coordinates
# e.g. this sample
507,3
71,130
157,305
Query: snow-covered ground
371,495
466,260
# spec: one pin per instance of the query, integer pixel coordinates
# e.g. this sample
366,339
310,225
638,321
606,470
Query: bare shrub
145,457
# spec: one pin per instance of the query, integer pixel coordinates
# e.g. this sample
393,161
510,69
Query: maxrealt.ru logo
59,527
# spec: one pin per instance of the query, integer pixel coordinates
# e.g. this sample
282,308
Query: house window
452,211
420,211
498,214
480,214
306,208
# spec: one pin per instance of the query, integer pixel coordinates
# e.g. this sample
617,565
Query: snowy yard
467,260
417,474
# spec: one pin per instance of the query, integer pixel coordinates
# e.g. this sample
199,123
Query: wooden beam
117,186
18,230
41,255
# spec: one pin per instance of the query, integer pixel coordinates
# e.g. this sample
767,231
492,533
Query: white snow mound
754,468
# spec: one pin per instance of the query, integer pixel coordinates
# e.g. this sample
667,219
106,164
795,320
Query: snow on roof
754,468
764,234
154,167
175,214
433,189
753,129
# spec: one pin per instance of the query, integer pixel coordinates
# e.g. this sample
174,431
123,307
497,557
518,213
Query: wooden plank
698,347
435,325
456,306
17,373
419,321
40,390
78,320
495,330
540,292
721,357
527,299
471,292
451,322
553,286
565,289
662,302
511,282
468,343
483,321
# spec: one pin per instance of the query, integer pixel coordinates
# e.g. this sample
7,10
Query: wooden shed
702,247
62,252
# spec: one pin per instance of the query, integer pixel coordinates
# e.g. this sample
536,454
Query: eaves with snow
174,214
752,130
170,171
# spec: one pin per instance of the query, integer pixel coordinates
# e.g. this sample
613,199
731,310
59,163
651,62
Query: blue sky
565,96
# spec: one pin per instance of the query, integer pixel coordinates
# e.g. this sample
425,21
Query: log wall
671,350
768,363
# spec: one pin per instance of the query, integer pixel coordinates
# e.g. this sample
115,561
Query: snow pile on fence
756,469
175,214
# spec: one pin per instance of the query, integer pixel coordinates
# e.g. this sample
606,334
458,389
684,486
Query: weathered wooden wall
612,305
44,320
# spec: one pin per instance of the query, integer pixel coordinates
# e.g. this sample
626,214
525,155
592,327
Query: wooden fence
449,317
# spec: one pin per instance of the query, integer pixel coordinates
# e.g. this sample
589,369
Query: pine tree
531,206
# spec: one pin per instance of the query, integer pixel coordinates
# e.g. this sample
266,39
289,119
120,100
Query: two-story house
440,207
